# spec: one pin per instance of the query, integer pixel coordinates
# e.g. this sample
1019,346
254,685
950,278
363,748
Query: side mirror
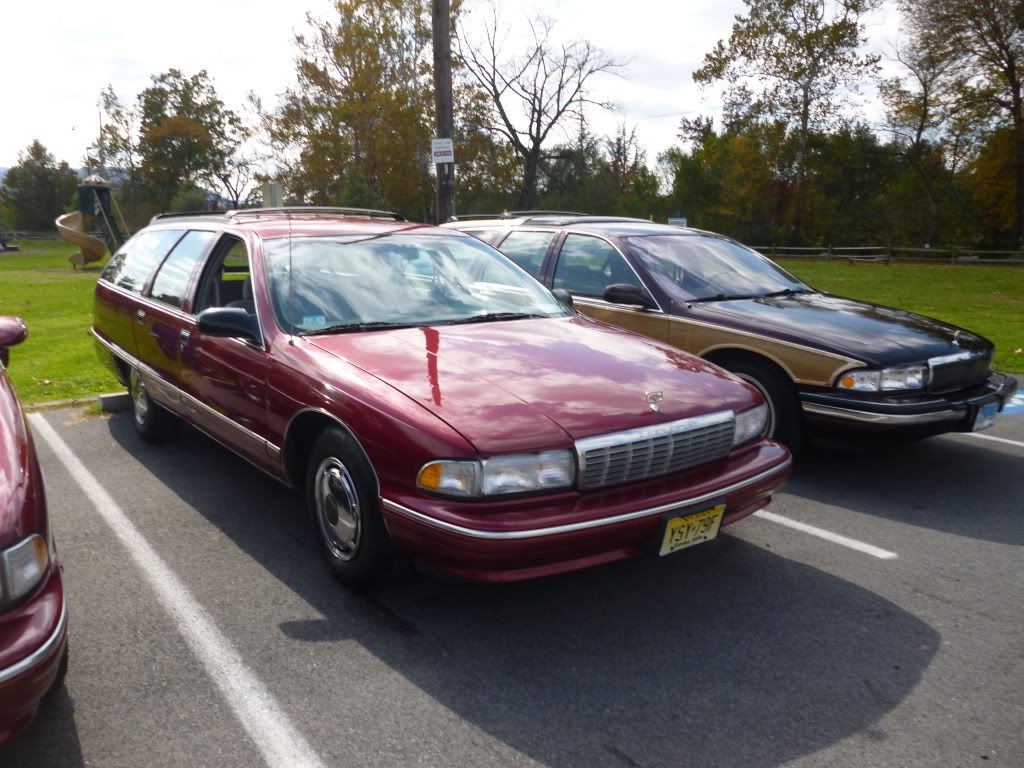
229,322
624,293
12,333
563,296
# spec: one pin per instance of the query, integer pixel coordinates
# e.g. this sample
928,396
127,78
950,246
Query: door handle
140,315
183,337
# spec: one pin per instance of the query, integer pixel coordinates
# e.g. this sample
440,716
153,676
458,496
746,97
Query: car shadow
966,488
51,739
731,655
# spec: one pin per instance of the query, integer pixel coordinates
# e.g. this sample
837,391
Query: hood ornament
956,338
653,399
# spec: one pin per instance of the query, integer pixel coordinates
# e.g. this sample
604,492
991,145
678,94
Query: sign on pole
680,222
443,151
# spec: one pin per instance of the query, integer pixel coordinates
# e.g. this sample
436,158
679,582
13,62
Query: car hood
527,385
877,335
18,515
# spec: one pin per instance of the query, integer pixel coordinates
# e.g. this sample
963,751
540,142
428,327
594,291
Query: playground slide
69,226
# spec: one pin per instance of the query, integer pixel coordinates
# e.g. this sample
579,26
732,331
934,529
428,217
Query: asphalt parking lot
873,619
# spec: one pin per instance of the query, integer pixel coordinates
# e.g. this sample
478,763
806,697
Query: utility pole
443,107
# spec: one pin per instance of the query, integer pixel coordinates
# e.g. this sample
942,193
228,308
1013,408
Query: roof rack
478,216
184,215
310,210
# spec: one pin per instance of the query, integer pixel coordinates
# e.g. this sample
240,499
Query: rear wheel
785,416
153,422
342,499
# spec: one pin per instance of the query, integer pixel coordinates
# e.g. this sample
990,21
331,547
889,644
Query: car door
225,379
163,327
585,266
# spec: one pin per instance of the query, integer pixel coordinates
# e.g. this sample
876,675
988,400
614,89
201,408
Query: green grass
57,360
986,299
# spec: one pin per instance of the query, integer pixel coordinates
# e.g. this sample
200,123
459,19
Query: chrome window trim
147,301
602,304
36,657
555,530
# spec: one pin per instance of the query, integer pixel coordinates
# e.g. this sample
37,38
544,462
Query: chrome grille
636,454
959,371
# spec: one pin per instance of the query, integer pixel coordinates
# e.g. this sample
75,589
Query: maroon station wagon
428,396
33,617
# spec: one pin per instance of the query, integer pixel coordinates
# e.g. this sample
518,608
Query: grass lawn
985,299
57,360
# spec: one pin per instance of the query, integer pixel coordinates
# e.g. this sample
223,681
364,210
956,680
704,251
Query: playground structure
97,212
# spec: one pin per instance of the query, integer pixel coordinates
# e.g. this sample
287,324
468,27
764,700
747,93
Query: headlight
518,473
751,424
23,567
885,380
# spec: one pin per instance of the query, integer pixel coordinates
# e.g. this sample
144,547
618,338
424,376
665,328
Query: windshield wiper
785,292
723,297
353,327
491,316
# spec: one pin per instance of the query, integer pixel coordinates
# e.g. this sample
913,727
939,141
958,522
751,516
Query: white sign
443,151
677,222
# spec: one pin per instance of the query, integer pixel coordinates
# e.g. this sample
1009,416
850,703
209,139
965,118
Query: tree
116,151
545,84
37,189
361,107
917,114
983,43
187,135
804,55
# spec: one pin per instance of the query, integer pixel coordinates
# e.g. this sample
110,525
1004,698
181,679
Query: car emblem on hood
653,398
956,338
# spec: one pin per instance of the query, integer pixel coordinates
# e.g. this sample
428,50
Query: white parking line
281,745
995,439
821,533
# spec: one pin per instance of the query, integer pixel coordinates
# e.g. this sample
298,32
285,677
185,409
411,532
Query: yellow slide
69,226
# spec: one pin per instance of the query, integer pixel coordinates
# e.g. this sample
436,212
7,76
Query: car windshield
341,284
697,268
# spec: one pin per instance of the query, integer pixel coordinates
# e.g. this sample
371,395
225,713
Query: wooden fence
880,254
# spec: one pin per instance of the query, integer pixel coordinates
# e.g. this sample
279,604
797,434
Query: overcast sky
58,56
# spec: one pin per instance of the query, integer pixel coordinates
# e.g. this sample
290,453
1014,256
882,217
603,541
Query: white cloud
57,60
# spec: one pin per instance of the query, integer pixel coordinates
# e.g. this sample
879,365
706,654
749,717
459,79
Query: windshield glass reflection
695,268
343,284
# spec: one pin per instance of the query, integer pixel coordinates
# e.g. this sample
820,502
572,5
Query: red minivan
33,616
428,396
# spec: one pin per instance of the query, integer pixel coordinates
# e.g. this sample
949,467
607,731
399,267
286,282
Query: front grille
637,454
961,371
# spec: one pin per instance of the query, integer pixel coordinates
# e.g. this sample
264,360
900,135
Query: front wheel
342,500
153,422
785,416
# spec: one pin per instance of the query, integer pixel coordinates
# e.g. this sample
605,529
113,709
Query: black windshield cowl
493,316
355,328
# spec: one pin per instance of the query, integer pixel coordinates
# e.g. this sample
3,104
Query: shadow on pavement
967,488
733,656
51,739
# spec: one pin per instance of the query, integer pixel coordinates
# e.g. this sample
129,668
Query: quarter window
527,249
135,261
172,280
587,265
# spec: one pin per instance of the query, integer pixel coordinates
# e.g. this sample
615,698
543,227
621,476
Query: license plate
688,530
986,416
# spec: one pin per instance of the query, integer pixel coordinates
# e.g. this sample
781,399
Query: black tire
785,416
341,497
153,422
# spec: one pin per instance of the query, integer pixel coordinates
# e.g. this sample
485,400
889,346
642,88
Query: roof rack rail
368,213
546,213
478,216
184,215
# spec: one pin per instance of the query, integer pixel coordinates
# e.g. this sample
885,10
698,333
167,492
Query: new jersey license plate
687,530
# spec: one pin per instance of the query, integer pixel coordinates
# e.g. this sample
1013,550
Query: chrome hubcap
140,400
767,398
337,508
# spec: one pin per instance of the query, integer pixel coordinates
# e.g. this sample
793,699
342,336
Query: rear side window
172,280
527,249
132,265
